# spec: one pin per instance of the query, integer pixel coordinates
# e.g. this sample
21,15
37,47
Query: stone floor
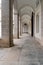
27,51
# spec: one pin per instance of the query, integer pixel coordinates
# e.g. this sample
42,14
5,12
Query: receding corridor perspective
21,32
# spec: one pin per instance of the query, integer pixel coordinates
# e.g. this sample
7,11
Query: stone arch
25,14
26,6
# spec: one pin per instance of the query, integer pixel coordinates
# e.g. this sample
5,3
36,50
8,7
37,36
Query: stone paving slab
27,51
8,62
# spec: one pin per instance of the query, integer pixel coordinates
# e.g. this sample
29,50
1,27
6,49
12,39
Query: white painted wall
38,11
0,30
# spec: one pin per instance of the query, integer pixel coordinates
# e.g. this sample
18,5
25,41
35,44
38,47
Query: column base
11,45
5,43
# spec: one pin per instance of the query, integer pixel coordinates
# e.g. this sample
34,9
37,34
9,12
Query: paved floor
27,51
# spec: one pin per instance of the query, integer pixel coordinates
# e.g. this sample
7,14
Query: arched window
0,20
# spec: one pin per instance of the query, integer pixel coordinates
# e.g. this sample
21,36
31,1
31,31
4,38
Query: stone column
11,2
16,25
20,26
7,23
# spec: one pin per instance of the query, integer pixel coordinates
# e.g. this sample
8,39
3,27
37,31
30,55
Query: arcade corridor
21,32
28,53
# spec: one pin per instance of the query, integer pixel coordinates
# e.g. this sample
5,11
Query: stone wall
41,40
5,22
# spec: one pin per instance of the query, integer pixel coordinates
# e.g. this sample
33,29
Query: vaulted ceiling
25,8
31,3
22,3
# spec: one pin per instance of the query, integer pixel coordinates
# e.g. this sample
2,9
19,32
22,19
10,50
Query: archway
25,28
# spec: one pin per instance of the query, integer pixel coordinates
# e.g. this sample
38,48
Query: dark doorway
32,22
